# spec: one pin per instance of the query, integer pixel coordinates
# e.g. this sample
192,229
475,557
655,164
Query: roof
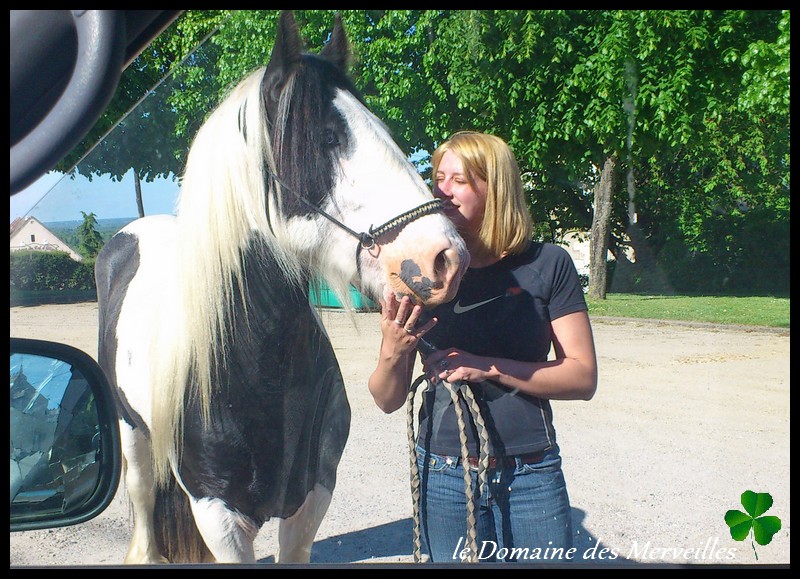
53,242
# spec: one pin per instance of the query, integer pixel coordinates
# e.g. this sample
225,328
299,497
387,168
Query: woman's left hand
399,322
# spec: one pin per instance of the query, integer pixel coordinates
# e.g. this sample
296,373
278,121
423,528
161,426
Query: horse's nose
429,275
438,268
449,265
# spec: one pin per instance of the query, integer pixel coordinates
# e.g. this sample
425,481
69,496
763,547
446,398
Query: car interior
65,69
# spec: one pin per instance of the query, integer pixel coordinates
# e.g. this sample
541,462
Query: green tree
103,152
664,131
652,97
90,242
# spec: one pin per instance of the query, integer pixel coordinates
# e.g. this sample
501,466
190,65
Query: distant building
29,233
577,245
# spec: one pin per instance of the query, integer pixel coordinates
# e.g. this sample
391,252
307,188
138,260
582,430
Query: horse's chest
271,425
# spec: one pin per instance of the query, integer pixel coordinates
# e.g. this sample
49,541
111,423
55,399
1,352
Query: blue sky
57,197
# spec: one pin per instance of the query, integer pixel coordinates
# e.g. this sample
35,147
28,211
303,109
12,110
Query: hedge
32,270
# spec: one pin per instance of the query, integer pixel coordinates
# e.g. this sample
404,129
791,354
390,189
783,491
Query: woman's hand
399,323
572,375
390,380
453,365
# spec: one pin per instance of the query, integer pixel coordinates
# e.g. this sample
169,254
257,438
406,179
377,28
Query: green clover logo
763,528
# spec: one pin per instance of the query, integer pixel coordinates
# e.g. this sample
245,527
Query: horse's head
337,174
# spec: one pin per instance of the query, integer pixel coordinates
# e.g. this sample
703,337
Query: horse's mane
226,198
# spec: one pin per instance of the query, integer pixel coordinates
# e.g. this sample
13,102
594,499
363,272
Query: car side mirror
65,446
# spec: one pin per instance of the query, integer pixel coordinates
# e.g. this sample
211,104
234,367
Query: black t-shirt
503,310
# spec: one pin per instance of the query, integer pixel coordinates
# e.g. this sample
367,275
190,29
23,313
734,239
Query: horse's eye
330,138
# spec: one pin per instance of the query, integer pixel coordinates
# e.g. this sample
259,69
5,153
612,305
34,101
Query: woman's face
462,204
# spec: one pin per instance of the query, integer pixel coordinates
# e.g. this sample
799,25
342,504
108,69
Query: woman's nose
439,192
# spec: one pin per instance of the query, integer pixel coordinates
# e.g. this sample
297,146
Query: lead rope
465,391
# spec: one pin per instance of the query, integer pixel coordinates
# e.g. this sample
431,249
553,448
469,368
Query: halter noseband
368,239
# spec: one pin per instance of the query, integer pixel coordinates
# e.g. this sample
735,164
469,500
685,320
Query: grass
749,311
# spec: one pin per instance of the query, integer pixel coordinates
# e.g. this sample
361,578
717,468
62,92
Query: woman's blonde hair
507,226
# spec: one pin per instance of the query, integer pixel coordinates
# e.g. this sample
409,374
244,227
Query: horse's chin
430,299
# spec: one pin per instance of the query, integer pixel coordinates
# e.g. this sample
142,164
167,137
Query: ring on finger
410,330
398,322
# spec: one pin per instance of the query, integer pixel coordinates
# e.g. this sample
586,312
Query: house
29,233
577,245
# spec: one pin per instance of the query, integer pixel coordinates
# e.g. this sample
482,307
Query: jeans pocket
550,464
434,462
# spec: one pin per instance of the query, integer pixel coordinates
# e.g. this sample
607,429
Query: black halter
368,239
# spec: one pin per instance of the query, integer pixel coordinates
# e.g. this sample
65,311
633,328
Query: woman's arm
390,380
571,376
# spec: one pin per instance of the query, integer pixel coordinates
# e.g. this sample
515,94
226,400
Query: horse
232,407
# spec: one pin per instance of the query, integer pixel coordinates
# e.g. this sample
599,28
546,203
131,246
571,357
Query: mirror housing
64,436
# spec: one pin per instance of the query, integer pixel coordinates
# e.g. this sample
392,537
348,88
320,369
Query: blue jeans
526,507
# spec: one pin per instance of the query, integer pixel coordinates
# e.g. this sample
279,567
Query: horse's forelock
301,120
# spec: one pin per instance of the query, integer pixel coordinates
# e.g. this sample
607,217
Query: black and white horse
232,405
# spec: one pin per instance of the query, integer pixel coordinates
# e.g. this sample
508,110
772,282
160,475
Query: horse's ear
338,48
286,53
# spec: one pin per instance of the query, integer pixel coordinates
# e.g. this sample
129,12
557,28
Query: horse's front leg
140,486
228,534
296,534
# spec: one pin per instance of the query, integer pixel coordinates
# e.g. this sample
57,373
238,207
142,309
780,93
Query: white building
29,233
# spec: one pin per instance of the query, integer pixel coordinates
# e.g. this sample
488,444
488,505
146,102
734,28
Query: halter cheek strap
368,239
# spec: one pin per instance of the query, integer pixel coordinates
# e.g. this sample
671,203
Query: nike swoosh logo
459,309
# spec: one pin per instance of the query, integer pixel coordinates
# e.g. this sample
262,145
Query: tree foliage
90,242
692,106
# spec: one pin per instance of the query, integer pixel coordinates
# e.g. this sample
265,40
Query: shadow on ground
393,542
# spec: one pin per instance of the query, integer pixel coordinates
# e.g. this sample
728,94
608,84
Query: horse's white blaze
377,170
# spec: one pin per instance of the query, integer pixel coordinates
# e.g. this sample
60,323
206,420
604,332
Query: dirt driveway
686,418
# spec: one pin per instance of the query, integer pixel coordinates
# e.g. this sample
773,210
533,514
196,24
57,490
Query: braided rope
415,496
484,449
472,535
483,465
426,208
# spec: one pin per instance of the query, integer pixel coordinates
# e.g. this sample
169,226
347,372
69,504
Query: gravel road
686,418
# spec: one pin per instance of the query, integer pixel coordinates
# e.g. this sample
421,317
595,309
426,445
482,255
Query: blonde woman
518,300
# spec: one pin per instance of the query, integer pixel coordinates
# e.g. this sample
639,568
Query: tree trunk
601,223
138,184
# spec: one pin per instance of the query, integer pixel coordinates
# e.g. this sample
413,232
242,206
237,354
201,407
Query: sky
58,197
